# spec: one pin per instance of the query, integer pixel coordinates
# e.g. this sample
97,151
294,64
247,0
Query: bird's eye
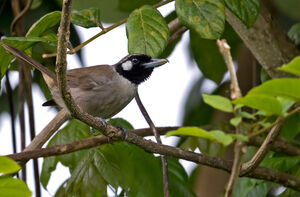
135,61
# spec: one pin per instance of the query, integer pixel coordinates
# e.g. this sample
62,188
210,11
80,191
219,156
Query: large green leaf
218,102
292,67
87,17
294,33
283,87
147,32
206,17
208,57
13,187
246,10
291,128
118,164
73,131
43,24
266,103
7,165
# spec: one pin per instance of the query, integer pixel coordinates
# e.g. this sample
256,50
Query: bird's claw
103,122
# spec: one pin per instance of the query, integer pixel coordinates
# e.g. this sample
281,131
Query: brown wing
89,77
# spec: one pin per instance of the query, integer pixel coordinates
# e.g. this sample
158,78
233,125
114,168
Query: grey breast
100,90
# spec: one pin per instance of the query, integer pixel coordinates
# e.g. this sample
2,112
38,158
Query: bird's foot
103,122
124,131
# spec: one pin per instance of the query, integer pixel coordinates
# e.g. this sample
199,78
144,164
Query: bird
102,90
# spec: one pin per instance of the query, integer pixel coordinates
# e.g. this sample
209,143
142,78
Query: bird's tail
24,57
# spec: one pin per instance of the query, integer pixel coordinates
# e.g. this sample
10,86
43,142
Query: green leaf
5,58
236,121
121,123
86,179
215,135
281,163
218,102
283,87
247,187
13,187
221,137
147,32
206,17
73,131
292,67
43,24
246,10
7,165
266,103
246,114
208,57
291,127
239,137
294,33
86,18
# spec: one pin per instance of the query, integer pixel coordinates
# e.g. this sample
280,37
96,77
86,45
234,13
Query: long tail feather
23,56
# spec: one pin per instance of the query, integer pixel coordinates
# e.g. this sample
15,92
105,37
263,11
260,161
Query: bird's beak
155,63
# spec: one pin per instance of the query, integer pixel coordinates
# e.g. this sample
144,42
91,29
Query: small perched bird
102,90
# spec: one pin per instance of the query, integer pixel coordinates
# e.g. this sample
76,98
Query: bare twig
264,148
149,146
11,111
225,51
157,137
104,31
20,15
235,93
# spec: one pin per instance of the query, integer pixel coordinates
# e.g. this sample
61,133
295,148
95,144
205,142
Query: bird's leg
92,130
124,131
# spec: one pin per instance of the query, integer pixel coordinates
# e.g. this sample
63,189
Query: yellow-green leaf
218,102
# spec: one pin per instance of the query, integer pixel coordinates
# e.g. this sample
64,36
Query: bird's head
137,68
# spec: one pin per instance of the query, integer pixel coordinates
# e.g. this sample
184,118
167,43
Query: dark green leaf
147,32
281,163
283,87
86,179
13,187
7,165
5,58
292,67
218,102
208,57
291,127
246,10
266,103
294,33
86,18
288,7
73,131
206,17
247,187
43,24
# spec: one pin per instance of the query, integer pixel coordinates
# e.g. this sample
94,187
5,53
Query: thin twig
235,93
121,22
157,137
29,101
263,173
11,111
20,15
263,149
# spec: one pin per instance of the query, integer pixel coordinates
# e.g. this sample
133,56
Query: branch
235,93
158,140
267,42
149,146
263,149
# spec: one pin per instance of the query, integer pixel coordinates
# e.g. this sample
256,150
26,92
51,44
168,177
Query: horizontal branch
149,146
